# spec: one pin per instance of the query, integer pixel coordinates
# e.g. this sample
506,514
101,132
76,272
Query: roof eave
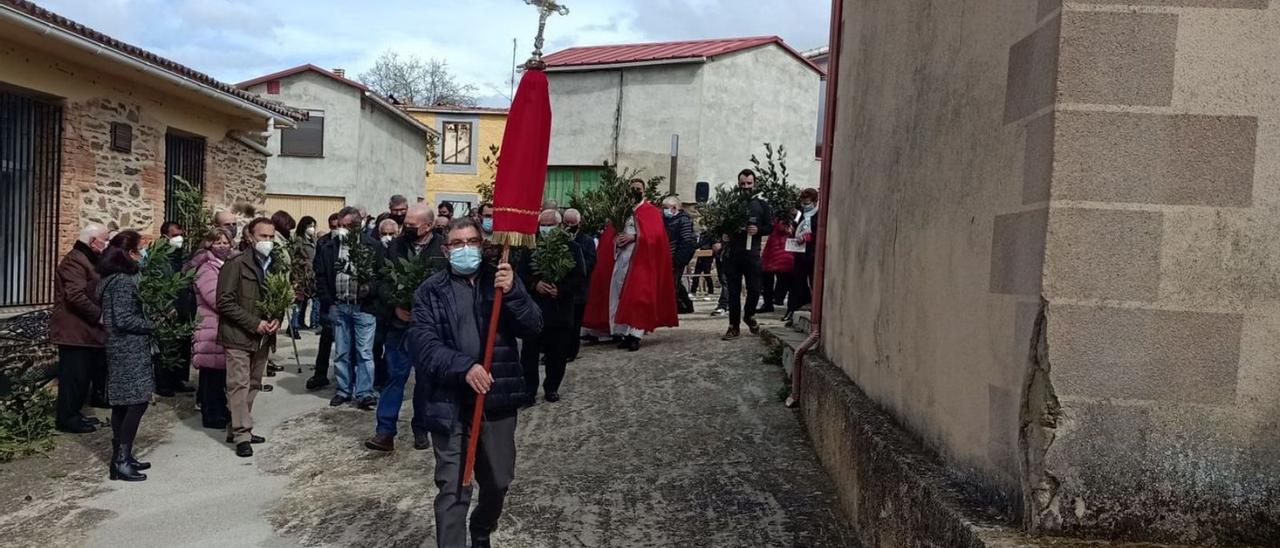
401,114
95,48
634,64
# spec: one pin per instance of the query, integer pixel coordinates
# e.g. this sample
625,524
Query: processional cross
545,9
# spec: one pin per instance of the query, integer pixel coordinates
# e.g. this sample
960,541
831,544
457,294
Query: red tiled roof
46,16
300,69
663,51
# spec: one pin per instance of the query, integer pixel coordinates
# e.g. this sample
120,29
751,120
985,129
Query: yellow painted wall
491,127
45,72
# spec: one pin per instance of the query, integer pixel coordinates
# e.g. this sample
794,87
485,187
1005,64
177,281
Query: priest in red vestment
632,292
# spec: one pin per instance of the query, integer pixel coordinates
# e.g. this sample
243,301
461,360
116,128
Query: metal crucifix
545,9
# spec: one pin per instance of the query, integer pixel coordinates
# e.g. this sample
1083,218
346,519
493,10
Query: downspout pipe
45,29
824,199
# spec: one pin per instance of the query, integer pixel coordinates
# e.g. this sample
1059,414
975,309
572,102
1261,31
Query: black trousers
125,420
326,349
575,344
801,285
554,343
212,394
723,302
742,266
702,266
76,367
774,287
684,304
494,472
379,355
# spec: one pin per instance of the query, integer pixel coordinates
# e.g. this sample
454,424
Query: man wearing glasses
446,340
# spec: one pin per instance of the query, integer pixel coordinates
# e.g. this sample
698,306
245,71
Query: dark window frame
444,155
30,191
295,149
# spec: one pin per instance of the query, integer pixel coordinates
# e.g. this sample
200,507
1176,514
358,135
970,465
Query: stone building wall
1053,255
234,173
126,190
100,185
1162,274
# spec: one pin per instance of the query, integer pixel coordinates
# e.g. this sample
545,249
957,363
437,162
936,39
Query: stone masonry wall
234,173
1162,276
100,185
126,190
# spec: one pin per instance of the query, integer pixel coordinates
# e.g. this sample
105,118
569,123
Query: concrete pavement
681,444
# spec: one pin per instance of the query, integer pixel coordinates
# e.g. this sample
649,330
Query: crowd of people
623,284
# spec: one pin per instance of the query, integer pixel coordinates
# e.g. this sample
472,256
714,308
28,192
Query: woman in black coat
130,377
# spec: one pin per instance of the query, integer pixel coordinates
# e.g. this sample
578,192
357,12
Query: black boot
120,467
137,464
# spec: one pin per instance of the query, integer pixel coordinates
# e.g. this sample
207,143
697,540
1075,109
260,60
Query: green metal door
562,181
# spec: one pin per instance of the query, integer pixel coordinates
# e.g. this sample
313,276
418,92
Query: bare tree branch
410,79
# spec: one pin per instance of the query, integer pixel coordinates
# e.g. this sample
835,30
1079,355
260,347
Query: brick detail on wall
1170,159
100,185
1143,354
1118,58
1103,254
1033,72
1222,4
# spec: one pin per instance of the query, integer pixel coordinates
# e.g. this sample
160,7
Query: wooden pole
478,412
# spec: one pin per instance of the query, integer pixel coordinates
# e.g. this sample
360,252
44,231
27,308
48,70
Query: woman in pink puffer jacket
206,354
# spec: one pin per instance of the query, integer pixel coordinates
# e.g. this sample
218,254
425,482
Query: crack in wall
1038,420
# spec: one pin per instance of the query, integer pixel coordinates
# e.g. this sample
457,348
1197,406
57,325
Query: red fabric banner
522,168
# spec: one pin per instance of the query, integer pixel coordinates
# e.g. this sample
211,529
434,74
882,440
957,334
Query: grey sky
236,40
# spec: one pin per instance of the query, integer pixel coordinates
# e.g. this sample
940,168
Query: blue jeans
352,340
315,313
398,368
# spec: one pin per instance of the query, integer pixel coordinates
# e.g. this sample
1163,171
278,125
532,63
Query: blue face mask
544,230
487,224
808,207
669,213
465,261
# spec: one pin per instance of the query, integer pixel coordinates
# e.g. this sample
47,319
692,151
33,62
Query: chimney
342,73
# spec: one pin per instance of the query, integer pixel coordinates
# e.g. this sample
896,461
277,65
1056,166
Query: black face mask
573,229
399,219
409,235
637,194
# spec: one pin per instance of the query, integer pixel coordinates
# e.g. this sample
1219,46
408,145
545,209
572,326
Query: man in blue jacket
451,315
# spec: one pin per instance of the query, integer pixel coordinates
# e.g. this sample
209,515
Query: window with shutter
306,140
457,143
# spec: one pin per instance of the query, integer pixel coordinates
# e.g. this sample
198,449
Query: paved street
681,444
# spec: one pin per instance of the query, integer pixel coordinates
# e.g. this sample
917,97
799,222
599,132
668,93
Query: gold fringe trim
516,210
514,239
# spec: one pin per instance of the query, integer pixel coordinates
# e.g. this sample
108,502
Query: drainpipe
824,199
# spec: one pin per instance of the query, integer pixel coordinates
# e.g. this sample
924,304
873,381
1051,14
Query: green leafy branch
158,288
276,298
553,256
407,274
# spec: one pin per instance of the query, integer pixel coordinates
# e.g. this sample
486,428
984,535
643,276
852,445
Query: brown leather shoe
732,334
381,442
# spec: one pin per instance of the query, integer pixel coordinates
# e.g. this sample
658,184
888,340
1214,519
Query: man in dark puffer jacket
447,339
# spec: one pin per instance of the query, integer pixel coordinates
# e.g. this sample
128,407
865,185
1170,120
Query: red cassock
648,299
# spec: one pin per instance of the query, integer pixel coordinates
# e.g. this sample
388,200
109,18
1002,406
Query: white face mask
340,232
386,238
311,231
264,248
176,241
